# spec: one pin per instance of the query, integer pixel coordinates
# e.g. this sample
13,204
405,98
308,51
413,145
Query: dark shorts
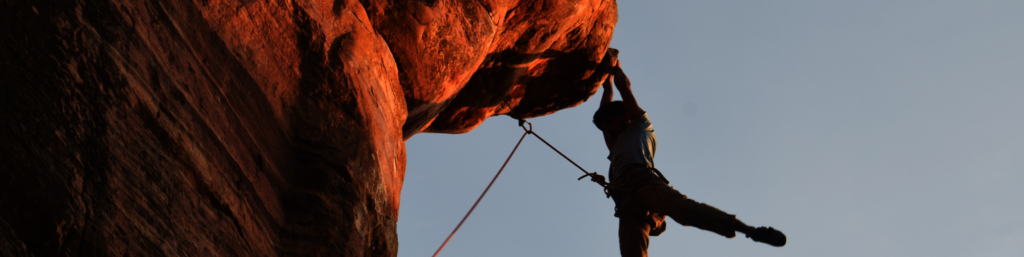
643,199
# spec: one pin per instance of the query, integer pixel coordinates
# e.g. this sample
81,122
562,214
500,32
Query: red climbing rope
482,194
528,131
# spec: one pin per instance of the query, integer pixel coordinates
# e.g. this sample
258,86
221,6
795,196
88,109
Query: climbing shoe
768,235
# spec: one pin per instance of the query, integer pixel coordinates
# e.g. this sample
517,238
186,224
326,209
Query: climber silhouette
642,195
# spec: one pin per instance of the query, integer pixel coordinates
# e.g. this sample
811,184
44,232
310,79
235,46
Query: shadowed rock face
255,128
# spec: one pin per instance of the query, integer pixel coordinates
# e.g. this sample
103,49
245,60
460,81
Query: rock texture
257,128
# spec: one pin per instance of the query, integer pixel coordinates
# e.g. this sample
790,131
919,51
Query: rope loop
521,124
597,178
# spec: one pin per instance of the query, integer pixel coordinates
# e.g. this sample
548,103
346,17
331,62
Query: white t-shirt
636,145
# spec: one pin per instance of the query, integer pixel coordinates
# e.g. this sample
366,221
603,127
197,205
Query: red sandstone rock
249,128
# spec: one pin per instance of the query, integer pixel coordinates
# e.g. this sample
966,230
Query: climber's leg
661,198
633,238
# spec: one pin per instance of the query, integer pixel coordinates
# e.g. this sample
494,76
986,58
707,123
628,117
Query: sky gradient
858,128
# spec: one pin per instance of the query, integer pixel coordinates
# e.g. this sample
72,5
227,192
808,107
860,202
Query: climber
642,195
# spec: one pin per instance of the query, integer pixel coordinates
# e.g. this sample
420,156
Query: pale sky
858,128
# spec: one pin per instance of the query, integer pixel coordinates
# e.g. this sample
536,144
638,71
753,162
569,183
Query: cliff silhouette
257,128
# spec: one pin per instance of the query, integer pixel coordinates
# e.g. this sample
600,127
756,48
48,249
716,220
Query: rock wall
257,128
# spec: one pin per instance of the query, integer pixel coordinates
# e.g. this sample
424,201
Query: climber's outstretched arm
633,109
611,58
606,96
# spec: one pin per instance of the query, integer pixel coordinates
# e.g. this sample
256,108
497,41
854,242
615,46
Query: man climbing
642,195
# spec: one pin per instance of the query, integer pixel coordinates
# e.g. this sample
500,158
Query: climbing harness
528,131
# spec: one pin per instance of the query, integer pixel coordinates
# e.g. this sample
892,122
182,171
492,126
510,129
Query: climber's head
611,117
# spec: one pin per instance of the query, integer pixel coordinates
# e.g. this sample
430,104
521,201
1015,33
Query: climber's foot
768,235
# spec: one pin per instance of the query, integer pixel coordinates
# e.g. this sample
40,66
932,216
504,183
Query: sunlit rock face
257,128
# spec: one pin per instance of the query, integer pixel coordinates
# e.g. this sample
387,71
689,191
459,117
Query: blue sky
858,128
